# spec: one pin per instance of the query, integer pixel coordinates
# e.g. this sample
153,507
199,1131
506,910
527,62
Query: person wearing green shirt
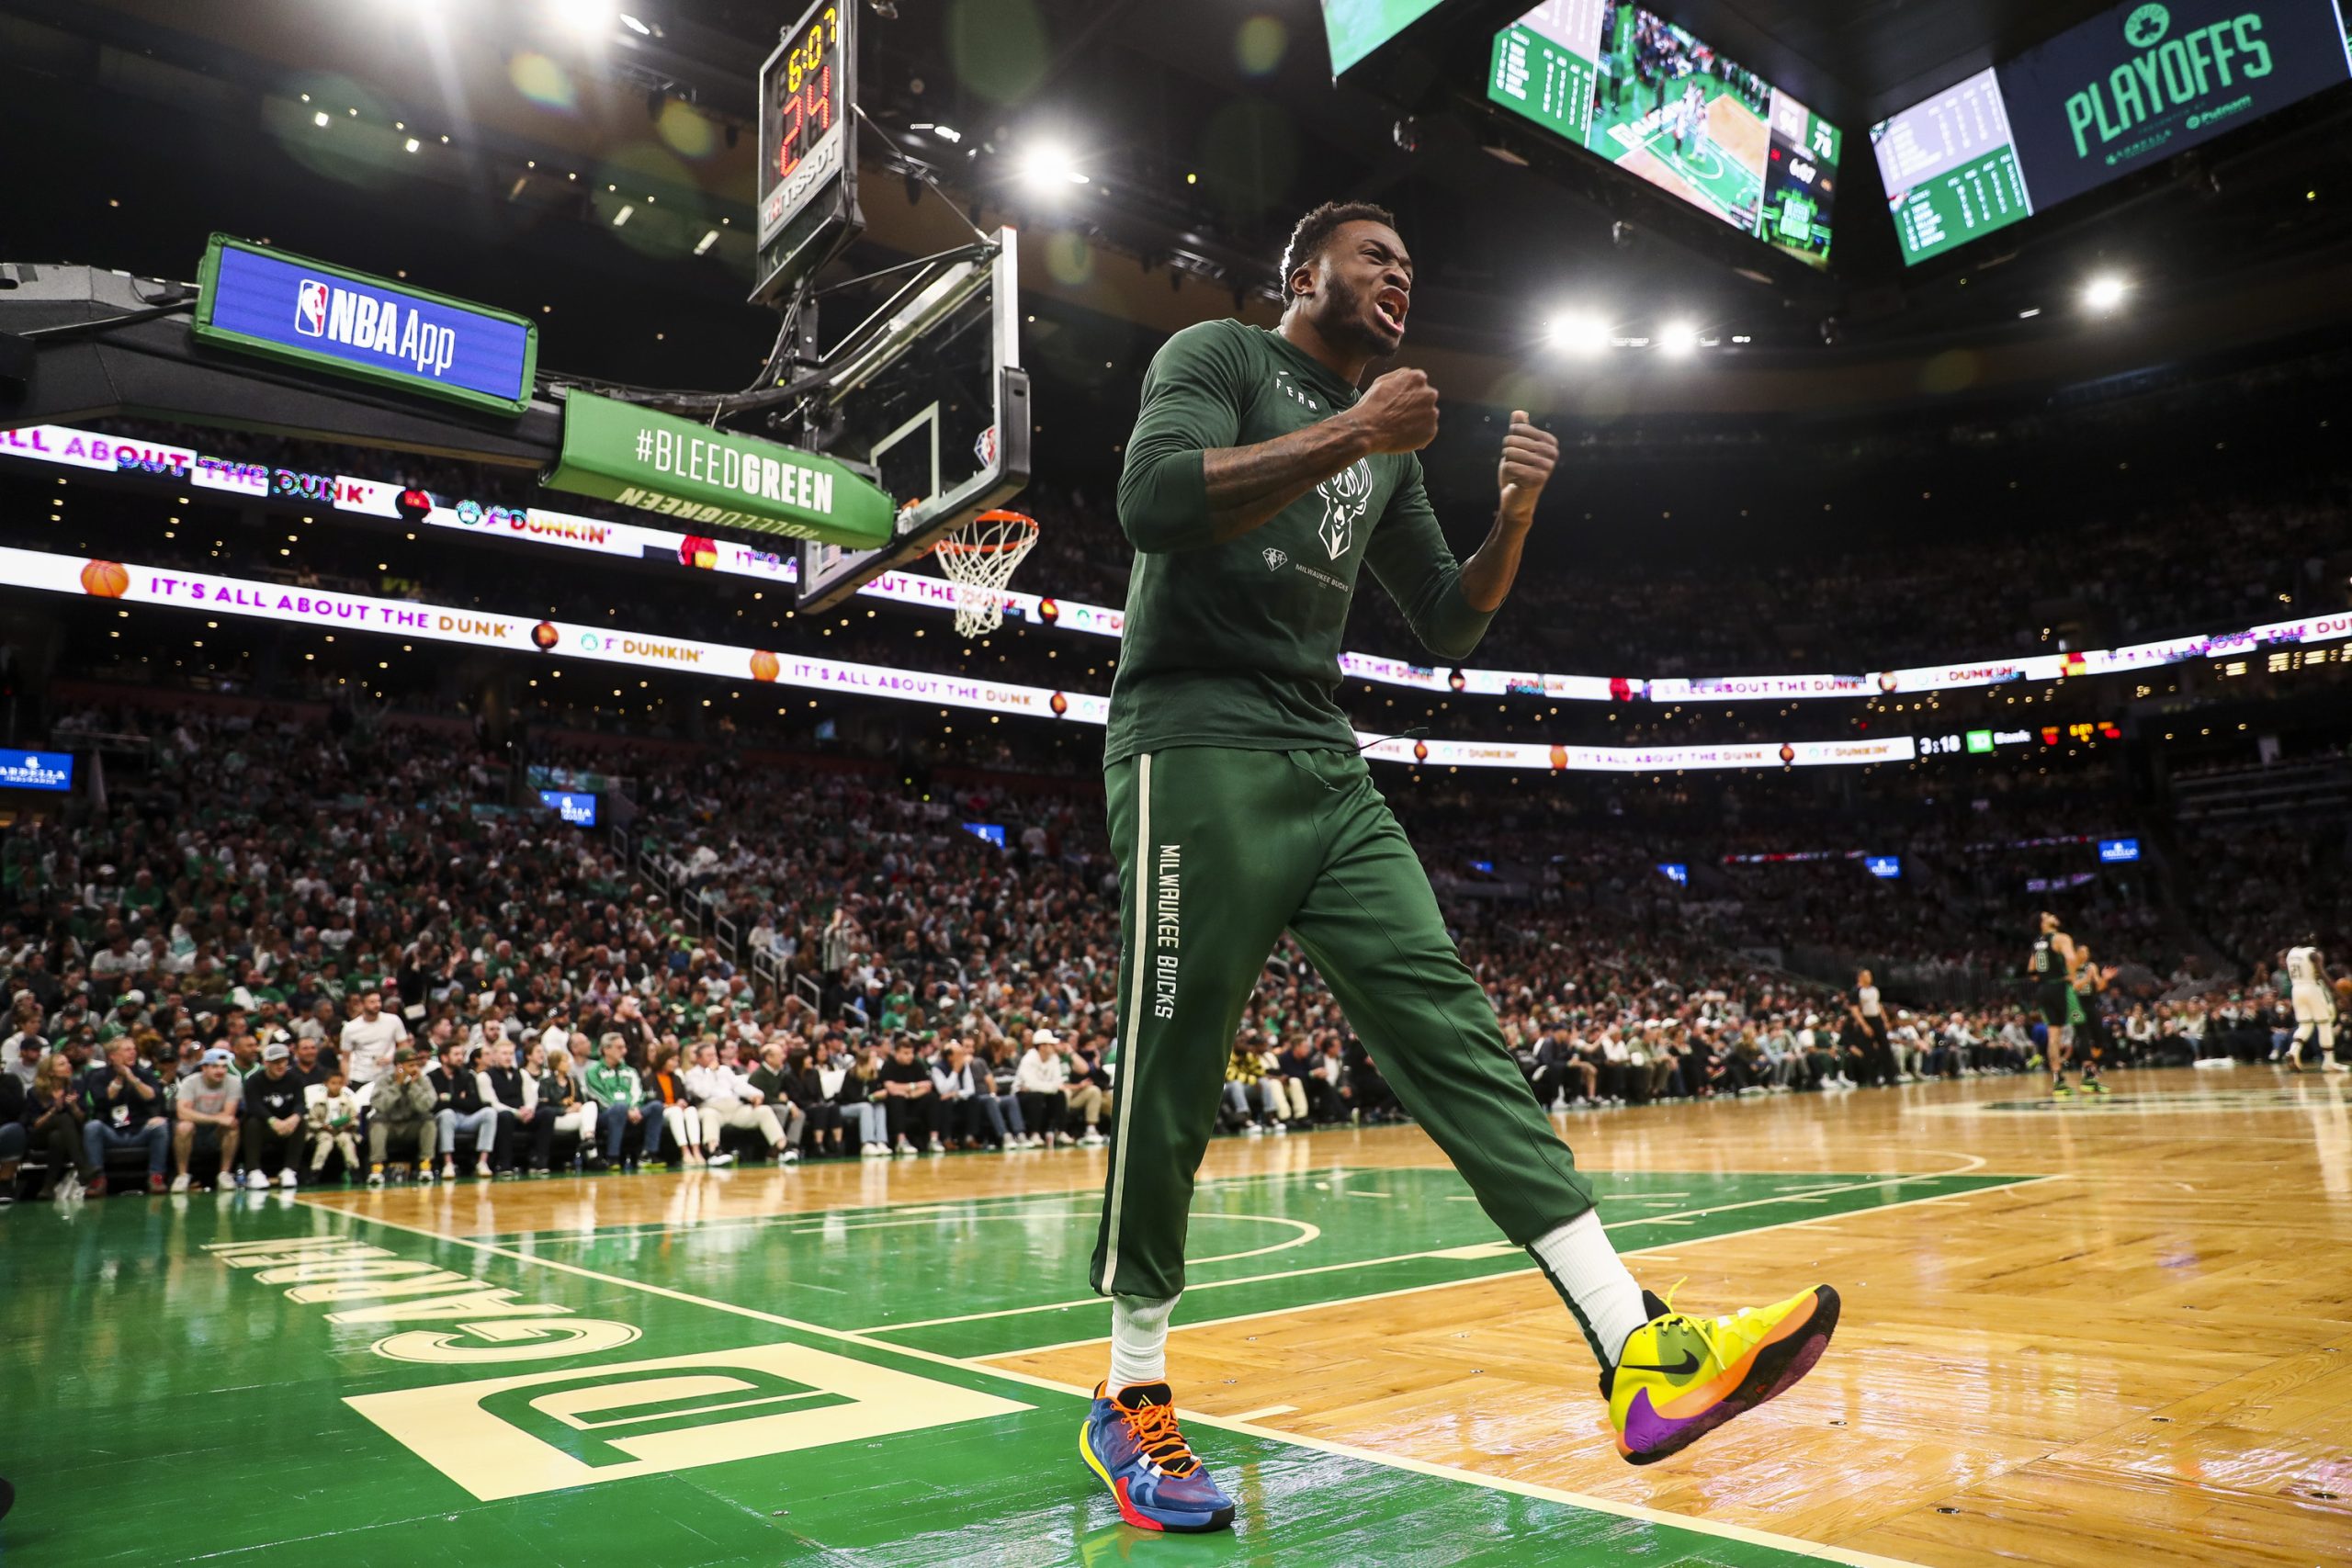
1260,485
613,1084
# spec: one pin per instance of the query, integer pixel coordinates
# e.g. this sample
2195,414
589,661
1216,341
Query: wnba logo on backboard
311,309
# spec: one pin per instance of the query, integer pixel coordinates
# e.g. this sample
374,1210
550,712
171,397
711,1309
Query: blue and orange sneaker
1133,1443
1679,1378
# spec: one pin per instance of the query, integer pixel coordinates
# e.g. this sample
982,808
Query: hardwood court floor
2114,1332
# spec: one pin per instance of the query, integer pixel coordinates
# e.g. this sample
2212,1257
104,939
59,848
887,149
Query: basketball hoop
978,559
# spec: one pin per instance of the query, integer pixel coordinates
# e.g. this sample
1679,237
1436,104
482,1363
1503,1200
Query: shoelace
1154,1428
1741,1323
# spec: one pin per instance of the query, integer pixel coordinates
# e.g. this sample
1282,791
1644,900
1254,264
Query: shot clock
807,185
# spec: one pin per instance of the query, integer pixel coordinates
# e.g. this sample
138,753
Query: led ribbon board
43,571
63,445
340,323
639,456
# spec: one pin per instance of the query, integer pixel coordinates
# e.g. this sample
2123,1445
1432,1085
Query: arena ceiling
1202,157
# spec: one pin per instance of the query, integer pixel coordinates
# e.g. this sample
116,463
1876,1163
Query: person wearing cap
1041,1083
402,1107
23,1062
274,1112
207,1113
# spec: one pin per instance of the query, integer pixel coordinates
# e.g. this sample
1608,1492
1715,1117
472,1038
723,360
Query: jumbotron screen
1356,28
1635,89
2125,90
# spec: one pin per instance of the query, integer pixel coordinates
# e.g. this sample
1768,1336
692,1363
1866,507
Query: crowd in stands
299,954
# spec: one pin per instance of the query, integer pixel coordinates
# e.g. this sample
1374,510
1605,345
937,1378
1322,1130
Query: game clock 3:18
804,91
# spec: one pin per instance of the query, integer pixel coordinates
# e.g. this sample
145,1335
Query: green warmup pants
1219,850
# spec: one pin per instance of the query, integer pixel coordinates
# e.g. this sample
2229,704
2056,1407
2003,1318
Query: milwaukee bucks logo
1345,495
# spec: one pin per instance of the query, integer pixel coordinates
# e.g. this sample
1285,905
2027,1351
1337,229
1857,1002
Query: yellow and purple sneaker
1133,1444
1679,1377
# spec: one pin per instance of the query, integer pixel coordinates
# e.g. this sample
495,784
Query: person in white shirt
2314,1005
1041,1083
368,1041
727,1100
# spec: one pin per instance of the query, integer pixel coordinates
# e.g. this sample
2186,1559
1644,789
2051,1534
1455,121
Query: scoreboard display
1356,28
1662,104
807,184
2118,94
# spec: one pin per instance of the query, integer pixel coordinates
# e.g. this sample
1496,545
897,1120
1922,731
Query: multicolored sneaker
2060,1091
2094,1085
1133,1443
1679,1378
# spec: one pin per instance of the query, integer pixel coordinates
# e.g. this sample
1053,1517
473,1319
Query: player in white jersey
2315,1004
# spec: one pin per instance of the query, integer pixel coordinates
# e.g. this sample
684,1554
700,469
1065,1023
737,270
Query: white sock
1138,1341
1586,1268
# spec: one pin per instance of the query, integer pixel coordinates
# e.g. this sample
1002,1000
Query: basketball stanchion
979,557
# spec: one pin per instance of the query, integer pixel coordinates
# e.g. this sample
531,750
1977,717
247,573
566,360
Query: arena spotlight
1578,331
1047,167
2104,293
1678,338
588,20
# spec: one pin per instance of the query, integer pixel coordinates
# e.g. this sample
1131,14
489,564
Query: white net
979,558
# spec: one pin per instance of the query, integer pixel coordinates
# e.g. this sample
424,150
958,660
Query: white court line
1092,1193
1687,1216
1262,1414
1306,1233
1321,1445
1653,1254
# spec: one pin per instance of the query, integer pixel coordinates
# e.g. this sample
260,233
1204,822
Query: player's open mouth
1391,304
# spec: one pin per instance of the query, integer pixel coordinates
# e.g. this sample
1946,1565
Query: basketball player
1690,113
2051,965
1260,483
2091,1037
2314,1005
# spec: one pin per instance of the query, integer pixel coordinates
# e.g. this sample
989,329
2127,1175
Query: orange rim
973,547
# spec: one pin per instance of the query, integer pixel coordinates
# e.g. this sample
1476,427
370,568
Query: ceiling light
587,19
622,216
1047,167
320,119
413,144
1678,337
1578,332
633,24
2104,293
707,241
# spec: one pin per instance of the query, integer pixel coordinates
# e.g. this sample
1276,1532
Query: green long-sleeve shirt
1237,644
614,1089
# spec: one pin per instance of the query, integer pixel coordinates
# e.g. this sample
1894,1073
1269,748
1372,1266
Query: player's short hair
1315,230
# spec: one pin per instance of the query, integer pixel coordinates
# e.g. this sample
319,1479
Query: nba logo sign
311,309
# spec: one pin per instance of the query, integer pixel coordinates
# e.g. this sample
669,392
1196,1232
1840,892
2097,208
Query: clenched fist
1399,412
1529,455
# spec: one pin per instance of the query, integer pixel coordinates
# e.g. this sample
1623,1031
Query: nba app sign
346,323
2153,77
